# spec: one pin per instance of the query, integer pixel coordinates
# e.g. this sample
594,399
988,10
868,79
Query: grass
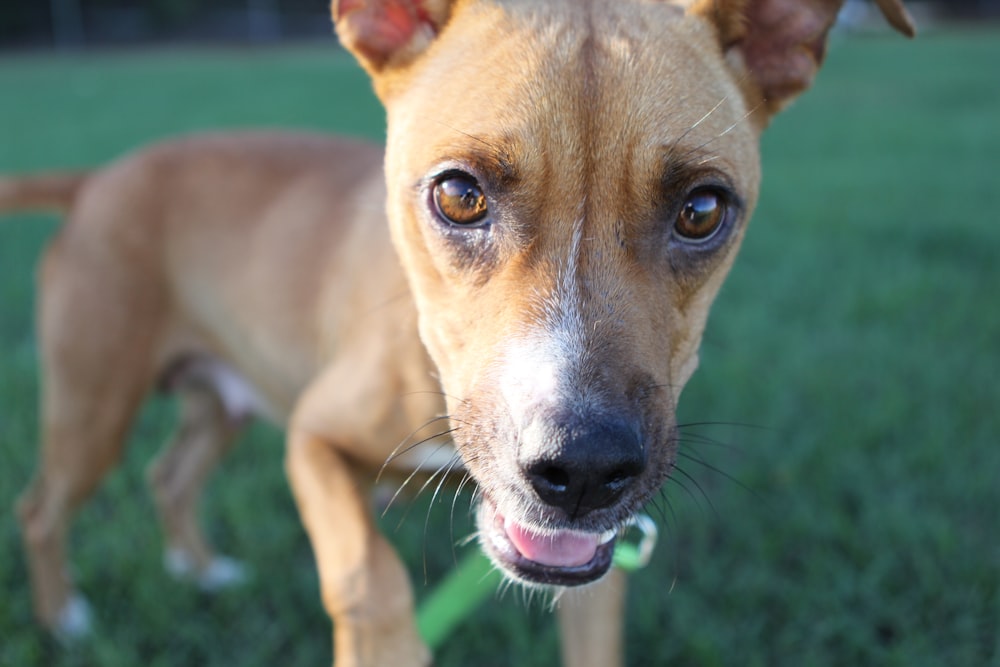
854,523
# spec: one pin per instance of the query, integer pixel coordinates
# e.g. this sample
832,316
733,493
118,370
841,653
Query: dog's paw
74,621
221,572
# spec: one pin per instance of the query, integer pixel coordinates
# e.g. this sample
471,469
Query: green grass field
855,517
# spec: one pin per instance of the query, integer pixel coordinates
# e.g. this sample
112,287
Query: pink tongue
561,549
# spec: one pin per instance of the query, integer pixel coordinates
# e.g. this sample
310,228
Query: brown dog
568,185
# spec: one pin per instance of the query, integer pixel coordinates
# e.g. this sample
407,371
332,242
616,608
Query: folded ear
781,43
388,34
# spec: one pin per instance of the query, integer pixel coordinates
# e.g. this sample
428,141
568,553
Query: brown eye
702,215
460,200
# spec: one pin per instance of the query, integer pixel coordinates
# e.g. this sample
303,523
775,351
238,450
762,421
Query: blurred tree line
75,23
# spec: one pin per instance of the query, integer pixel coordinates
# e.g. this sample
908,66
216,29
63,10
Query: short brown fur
256,274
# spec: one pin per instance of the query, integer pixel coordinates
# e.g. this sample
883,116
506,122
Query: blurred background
79,23
75,24
838,490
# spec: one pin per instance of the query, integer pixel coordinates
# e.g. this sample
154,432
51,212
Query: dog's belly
242,401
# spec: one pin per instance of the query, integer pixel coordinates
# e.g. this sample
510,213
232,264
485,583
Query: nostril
622,475
552,477
617,479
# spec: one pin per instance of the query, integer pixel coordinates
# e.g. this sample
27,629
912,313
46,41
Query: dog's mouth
550,557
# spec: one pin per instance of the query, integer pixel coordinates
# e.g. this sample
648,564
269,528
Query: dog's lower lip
563,569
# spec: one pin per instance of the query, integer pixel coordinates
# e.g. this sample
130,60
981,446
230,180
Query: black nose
581,465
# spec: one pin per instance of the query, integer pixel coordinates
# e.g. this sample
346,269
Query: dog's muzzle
575,470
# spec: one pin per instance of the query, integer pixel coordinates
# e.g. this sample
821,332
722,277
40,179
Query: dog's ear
781,43
385,35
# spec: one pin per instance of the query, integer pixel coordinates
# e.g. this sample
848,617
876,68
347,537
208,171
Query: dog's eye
701,216
459,199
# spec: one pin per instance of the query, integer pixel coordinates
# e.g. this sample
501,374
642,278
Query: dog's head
569,182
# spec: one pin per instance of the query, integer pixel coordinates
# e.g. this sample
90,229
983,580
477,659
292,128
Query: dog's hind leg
177,476
96,364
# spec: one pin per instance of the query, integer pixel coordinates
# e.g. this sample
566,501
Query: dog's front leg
591,622
365,588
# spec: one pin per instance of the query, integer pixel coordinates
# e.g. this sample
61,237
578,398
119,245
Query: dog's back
211,230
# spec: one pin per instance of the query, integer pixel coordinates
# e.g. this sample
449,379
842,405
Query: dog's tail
54,191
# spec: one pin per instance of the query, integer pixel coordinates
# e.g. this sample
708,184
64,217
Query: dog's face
565,224
568,187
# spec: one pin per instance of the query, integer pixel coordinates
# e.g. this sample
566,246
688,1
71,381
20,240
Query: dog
524,275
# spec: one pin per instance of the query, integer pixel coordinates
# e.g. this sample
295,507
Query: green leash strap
475,578
464,589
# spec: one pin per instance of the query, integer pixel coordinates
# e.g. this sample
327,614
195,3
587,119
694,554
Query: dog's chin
544,558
